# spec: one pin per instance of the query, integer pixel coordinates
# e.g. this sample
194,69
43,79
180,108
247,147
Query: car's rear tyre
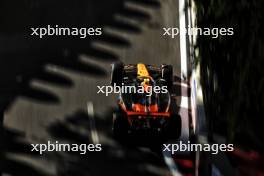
120,126
173,129
167,75
117,73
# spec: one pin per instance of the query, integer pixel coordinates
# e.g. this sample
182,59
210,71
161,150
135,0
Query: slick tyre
120,126
117,73
167,75
173,129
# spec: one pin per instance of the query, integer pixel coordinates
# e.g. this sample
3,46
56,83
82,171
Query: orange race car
144,102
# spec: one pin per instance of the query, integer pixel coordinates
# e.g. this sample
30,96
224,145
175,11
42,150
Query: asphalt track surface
50,85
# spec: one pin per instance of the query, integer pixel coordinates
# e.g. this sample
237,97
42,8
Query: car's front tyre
167,75
117,73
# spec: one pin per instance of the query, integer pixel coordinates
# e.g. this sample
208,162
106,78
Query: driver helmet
146,83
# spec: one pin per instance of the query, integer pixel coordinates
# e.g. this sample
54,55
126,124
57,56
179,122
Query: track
54,96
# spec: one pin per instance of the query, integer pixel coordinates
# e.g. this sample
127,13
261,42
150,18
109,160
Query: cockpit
146,96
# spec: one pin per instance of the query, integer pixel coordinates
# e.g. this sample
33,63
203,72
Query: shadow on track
14,144
25,58
114,159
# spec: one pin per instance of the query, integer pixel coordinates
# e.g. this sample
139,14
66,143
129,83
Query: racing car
144,109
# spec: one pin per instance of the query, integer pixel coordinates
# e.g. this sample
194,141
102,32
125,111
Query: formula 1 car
144,102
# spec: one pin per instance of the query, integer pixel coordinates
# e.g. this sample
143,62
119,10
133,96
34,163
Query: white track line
94,134
184,102
182,84
183,51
